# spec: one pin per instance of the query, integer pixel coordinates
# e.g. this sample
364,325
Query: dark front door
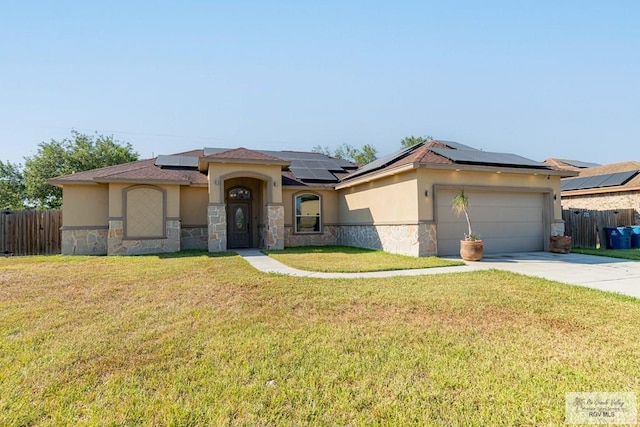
238,226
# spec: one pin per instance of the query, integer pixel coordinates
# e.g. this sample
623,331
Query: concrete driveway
607,274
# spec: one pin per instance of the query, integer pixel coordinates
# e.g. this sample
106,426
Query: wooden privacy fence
30,232
586,227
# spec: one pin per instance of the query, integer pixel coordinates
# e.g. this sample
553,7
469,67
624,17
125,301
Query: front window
307,213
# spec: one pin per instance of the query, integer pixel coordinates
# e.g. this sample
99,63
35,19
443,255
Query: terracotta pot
471,250
560,244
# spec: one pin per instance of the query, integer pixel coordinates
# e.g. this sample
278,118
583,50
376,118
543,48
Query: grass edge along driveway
348,259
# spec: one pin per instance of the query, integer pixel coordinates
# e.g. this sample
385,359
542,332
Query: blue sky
540,79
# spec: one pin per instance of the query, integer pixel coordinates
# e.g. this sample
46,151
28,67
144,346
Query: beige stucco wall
85,205
193,205
116,208
429,177
389,200
329,204
219,172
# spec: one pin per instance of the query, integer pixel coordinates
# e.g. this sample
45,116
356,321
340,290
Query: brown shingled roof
142,170
244,154
560,165
152,173
420,155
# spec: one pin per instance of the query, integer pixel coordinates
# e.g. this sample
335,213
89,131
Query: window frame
296,215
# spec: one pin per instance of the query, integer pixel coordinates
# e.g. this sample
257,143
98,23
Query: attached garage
506,220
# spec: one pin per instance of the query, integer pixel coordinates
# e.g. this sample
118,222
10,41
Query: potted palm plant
471,248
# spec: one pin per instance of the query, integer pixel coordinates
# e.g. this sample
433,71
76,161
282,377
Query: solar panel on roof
569,184
597,181
313,174
385,160
456,145
177,161
210,150
486,157
618,178
579,164
344,164
304,165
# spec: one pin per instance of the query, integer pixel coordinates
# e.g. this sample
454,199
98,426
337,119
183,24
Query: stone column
114,237
557,228
274,232
217,223
428,239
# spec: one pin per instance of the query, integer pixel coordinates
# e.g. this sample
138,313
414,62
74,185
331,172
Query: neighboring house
569,165
220,199
607,187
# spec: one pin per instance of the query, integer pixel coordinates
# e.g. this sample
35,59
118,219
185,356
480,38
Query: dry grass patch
348,259
207,340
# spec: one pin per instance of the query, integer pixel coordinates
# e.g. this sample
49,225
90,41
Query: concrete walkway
607,274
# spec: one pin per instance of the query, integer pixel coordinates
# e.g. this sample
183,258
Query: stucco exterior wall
85,223
193,206
220,172
605,201
85,205
388,201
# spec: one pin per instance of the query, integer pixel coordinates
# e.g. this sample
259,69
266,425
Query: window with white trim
308,213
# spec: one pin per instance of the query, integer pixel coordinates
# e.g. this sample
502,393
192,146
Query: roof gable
243,154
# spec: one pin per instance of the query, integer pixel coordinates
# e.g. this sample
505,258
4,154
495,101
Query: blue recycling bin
618,238
634,232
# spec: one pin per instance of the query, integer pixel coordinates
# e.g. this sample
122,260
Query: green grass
632,254
208,340
347,259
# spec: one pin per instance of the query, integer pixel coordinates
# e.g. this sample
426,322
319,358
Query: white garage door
506,222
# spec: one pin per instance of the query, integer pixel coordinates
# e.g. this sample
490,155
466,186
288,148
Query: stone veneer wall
119,246
194,237
410,239
557,228
605,201
217,227
329,236
274,231
84,241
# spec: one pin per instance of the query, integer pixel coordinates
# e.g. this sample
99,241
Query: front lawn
632,254
208,340
347,259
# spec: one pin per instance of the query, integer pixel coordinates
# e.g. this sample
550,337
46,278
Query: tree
76,154
11,186
413,140
361,156
460,204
